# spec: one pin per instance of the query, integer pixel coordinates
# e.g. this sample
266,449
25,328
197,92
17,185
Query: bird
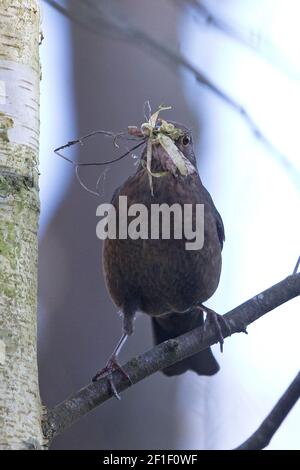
160,277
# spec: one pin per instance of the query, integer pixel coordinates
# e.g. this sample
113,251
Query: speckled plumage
160,277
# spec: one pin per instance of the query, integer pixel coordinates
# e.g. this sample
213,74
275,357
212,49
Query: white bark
20,406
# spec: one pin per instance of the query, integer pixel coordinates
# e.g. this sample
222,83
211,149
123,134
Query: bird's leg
217,320
112,363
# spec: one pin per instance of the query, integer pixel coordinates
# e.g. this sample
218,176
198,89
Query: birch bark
20,406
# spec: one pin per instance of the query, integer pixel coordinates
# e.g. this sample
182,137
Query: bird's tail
175,324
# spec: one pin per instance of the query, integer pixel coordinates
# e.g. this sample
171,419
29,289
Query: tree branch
262,437
97,17
166,354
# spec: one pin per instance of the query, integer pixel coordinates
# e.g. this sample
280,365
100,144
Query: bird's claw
218,321
107,371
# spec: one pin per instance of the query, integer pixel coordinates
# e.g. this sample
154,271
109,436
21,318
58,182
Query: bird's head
180,136
185,142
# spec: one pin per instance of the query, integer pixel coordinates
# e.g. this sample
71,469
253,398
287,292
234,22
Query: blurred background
99,67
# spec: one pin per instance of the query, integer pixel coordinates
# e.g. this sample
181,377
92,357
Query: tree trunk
20,406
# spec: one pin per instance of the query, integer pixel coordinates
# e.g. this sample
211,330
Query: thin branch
107,162
297,266
262,437
166,354
77,165
93,10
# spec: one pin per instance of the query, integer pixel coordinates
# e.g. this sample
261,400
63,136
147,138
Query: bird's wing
220,228
219,221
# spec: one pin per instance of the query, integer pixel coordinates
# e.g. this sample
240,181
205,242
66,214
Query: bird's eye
185,140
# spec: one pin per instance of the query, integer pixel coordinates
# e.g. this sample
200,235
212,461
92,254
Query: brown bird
161,277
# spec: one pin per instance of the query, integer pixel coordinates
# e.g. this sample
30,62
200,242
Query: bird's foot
108,370
218,321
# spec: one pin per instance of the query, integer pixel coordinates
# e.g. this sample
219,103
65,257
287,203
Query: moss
6,123
11,183
4,185
8,247
8,291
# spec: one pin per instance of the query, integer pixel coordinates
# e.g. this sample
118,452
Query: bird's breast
162,273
